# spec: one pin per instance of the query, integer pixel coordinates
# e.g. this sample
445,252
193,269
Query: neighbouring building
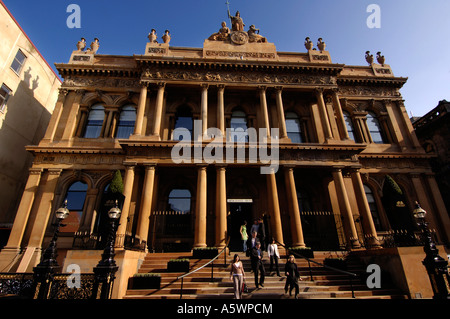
433,131
206,138
28,93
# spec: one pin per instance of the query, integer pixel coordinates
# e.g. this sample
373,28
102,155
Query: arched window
293,127
239,127
374,128
75,196
180,200
127,119
349,125
373,207
183,122
94,123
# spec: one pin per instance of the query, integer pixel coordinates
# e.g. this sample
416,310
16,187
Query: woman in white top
274,255
237,274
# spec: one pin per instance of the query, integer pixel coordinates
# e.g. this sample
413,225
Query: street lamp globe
62,212
419,212
114,213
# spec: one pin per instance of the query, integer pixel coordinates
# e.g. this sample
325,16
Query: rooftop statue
369,57
81,44
380,58
152,36
237,24
222,35
253,35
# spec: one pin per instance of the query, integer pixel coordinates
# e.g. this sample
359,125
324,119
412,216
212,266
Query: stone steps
326,283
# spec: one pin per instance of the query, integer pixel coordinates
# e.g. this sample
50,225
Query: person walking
274,255
292,276
244,236
258,265
237,275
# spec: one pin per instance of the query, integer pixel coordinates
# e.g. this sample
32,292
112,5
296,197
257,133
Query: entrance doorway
239,212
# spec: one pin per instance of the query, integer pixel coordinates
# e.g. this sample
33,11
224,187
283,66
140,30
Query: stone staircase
326,283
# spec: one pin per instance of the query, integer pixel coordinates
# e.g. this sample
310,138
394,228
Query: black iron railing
223,251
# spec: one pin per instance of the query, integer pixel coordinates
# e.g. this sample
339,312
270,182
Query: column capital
35,171
144,84
221,87
55,171
129,165
278,88
204,86
161,85
149,166
318,90
262,87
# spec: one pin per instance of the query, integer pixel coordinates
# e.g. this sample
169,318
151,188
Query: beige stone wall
27,112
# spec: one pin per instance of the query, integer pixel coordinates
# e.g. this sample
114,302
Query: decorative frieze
157,74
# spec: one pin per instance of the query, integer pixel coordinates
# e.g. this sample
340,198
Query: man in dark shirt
257,265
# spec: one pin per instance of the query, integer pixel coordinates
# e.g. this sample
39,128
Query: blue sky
414,35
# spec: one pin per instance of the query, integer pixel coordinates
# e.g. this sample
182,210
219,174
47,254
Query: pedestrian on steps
292,276
237,275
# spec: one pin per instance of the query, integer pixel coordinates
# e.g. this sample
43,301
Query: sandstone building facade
341,134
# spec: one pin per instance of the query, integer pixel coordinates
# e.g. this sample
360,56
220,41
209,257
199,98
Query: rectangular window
5,92
18,62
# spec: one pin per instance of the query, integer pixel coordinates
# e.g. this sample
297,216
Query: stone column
408,124
221,207
441,211
141,110
200,211
275,208
280,109
423,197
23,212
323,114
294,211
396,130
45,208
221,109
56,115
364,209
146,207
345,208
204,109
340,114
127,192
71,124
159,108
264,112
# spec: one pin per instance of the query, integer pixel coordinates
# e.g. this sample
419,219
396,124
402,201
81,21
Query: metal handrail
197,269
350,274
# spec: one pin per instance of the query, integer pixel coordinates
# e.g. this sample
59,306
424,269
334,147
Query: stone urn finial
321,45
152,36
380,58
308,44
369,57
81,44
95,45
166,36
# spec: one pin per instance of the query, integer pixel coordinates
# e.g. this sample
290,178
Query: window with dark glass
95,120
374,128
5,92
304,202
183,122
19,61
180,200
293,127
239,127
373,207
127,119
349,125
76,195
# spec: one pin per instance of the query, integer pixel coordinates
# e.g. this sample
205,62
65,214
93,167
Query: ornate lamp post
106,268
44,271
437,267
